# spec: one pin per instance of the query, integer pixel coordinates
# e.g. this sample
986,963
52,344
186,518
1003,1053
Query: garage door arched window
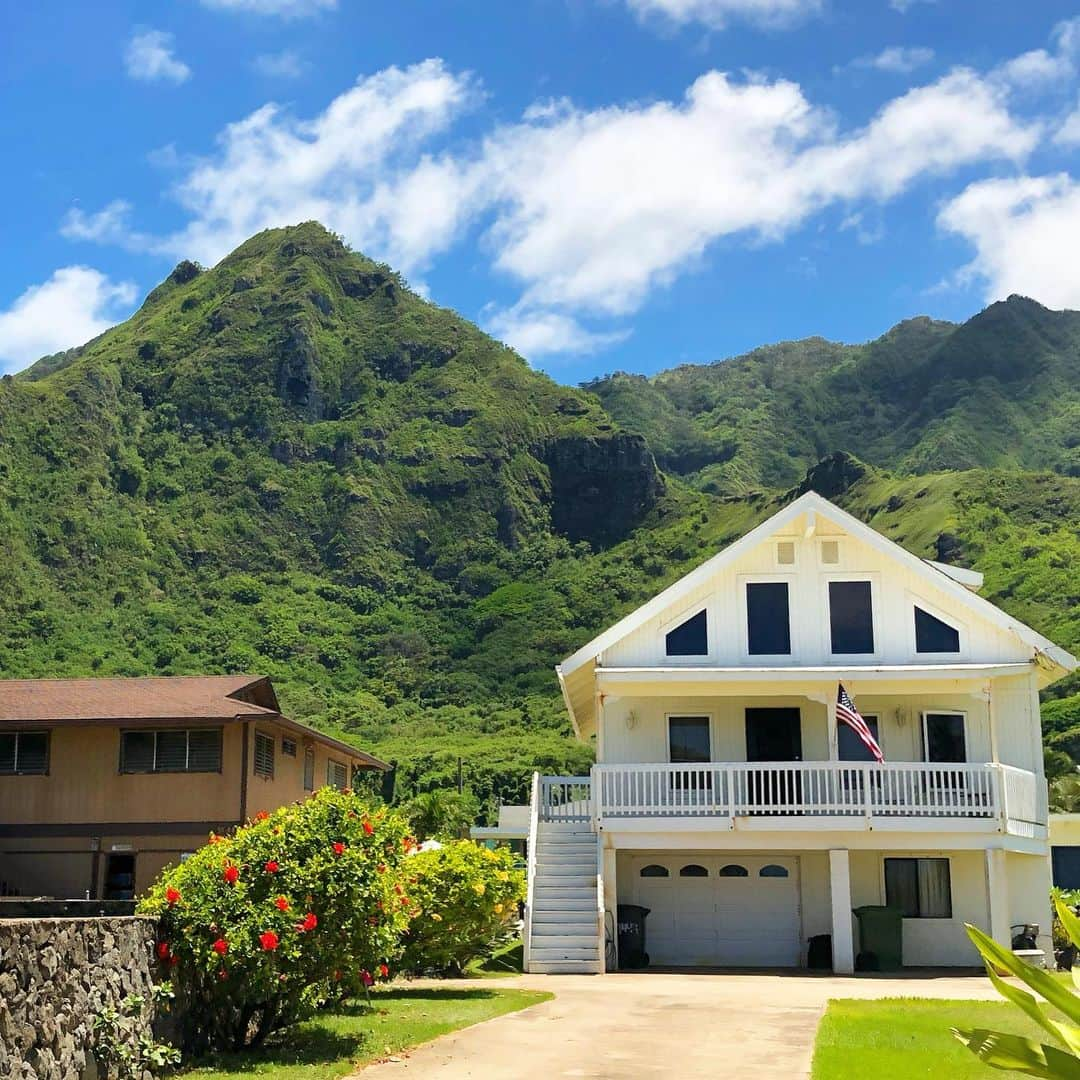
733,870
772,870
654,870
693,870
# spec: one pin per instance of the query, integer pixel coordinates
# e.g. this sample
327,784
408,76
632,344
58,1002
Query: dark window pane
264,754
137,751
204,750
772,870
690,638
850,747
654,870
33,752
945,737
768,628
688,739
902,886
7,753
309,769
851,617
288,747
171,751
932,635
693,870
337,775
734,870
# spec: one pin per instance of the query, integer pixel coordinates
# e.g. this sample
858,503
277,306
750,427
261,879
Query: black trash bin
632,952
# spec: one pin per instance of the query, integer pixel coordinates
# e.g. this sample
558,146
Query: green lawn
905,1038
333,1044
503,962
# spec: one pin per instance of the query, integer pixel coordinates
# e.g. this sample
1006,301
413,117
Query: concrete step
566,870
561,856
564,941
564,835
564,967
544,953
554,893
561,916
572,905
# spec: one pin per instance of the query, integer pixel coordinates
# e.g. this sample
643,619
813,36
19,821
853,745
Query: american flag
846,711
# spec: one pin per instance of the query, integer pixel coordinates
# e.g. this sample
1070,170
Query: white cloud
1068,134
285,9
545,333
1025,231
1035,69
716,14
281,65
108,225
904,6
76,304
897,59
149,57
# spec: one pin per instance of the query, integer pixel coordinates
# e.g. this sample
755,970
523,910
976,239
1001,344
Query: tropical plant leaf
1003,1051
1069,920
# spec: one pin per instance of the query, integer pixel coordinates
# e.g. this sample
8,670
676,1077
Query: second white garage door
718,911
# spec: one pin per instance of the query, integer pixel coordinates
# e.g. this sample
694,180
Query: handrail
601,931
530,870
566,798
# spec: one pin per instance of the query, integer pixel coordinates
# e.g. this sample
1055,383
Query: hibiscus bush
466,900
259,928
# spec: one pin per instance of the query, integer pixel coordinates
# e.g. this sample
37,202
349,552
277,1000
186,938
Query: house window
768,628
851,617
944,739
772,870
850,747
693,870
920,888
690,638
932,635
195,750
653,870
337,774
830,552
688,739
264,755
309,769
288,747
785,553
24,753
734,870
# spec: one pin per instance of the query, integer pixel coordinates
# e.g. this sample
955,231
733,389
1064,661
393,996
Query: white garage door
722,911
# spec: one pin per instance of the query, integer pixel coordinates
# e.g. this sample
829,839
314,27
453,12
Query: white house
728,801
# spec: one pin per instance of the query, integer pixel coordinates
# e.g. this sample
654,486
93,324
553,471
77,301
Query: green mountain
292,464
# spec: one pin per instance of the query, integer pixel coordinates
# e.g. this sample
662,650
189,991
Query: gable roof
812,502
161,699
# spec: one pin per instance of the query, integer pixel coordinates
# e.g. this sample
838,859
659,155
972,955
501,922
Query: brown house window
288,747
264,755
337,774
194,750
309,769
24,753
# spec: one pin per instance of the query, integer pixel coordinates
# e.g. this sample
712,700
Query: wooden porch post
997,897
843,943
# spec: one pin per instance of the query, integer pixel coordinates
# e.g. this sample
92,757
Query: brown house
105,781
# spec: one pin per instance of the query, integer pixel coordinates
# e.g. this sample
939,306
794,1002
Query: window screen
851,617
690,638
920,888
688,739
24,752
934,636
945,740
337,774
288,747
197,750
849,746
171,755
264,755
137,751
767,624
309,769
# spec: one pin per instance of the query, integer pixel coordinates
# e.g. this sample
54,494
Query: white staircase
564,913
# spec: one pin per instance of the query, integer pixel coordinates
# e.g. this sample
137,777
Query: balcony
800,796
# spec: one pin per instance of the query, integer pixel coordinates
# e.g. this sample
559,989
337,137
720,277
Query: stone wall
55,974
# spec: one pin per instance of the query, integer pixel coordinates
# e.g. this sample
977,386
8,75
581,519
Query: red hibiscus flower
368,827
384,971
174,960
262,815
339,848
221,946
337,976
163,950
269,941
381,868
172,896
230,874
271,866
365,977
309,923
281,903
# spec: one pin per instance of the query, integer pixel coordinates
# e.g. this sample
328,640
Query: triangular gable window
690,638
932,635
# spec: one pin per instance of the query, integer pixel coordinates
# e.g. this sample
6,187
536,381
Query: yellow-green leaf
1004,1051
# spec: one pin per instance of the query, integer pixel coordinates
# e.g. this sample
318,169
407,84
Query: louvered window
264,755
309,769
337,774
25,753
288,747
195,750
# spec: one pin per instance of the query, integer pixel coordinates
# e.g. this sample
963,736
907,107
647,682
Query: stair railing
530,872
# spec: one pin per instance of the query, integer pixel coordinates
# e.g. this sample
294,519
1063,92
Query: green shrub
467,898
260,928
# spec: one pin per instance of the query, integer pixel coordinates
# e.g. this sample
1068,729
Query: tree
441,813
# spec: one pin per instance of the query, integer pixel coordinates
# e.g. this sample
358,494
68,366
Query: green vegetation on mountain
291,464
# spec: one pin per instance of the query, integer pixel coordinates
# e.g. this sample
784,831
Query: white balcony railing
807,789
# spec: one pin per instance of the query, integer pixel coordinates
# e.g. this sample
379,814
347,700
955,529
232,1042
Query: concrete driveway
634,1026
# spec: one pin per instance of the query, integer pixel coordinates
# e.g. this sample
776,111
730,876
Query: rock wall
55,974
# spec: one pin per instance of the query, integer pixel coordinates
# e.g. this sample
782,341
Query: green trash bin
881,933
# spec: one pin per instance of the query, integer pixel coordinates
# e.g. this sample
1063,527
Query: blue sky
605,184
